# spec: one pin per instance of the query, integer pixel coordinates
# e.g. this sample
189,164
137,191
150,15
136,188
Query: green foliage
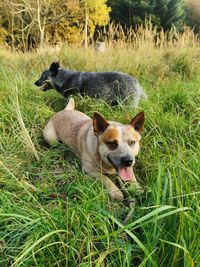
183,66
163,13
129,12
174,15
52,214
193,13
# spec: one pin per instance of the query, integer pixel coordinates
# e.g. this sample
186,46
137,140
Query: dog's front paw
117,195
136,188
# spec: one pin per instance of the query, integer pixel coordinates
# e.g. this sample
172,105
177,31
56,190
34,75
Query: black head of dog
45,81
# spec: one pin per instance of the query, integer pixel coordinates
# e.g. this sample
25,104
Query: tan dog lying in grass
105,147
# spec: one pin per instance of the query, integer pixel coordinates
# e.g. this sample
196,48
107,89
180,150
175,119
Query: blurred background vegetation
30,24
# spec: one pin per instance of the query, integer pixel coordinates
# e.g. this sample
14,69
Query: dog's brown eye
131,142
112,145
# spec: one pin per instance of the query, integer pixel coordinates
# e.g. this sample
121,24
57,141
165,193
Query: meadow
52,214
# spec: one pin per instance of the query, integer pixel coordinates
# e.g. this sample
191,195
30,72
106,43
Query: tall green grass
52,214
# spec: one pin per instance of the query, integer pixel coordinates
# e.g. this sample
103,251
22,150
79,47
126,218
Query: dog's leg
50,134
135,185
112,189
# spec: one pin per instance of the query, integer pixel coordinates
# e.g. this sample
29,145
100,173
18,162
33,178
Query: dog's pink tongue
126,173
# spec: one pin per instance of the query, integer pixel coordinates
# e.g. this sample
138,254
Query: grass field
52,214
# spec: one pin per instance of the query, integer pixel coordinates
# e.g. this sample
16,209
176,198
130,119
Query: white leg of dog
50,134
112,189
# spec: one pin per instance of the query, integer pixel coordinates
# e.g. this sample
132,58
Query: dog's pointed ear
138,122
58,65
99,123
54,68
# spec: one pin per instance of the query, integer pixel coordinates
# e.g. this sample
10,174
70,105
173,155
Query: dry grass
147,35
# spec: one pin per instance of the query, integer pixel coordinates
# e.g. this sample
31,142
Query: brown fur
110,135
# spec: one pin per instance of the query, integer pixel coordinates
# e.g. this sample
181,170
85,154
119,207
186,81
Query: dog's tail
70,105
141,91
143,94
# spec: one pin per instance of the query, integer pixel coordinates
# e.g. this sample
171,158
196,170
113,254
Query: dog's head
118,144
45,82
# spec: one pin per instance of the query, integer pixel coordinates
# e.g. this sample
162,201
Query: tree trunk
86,31
41,23
24,48
12,33
41,37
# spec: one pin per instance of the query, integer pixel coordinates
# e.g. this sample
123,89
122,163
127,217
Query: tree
170,12
94,13
163,13
51,20
128,12
193,13
30,17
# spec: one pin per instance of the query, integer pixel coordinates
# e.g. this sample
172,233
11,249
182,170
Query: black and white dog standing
113,87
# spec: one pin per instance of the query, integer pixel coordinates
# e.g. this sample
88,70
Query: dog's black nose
36,83
126,161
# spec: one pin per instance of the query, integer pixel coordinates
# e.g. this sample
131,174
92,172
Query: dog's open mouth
126,173
44,86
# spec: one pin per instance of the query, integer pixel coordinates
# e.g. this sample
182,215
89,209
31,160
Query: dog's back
110,86
68,121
